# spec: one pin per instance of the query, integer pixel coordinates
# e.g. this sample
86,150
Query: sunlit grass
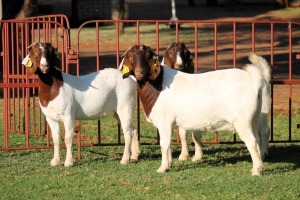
224,172
107,34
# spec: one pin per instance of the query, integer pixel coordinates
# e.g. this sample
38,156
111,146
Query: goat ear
126,67
166,59
155,69
29,61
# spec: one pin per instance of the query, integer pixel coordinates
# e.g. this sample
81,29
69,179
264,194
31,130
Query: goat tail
262,64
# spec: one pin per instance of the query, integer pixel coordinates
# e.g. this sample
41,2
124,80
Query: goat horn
32,44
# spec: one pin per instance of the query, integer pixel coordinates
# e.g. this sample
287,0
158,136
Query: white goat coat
92,96
220,100
209,101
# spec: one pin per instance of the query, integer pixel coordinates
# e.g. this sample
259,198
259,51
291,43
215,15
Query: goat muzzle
44,68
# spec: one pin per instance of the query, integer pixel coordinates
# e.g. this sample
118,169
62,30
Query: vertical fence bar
234,45
290,78
177,31
234,59
138,33
216,45
5,89
157,36
196,47
97,46
272,85
253,37
118,44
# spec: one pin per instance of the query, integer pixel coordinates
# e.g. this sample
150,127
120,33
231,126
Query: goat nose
44,68
139,71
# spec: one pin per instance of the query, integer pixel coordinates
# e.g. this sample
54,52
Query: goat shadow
216,156
288,153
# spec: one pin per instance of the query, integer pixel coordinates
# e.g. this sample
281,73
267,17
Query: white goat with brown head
64,98
227,99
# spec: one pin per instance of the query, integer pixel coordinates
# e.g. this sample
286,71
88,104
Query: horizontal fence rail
99,44
215,45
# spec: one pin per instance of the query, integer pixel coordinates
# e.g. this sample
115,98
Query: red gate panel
21,112
99,44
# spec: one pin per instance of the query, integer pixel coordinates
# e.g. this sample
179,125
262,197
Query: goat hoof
124,161
161,170
256,172
134,157
54,162
68,163
183,157
134,160
196,159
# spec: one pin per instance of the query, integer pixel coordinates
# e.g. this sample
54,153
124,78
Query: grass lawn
224,172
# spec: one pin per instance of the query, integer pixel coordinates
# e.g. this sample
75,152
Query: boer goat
63,97
228,99
178,57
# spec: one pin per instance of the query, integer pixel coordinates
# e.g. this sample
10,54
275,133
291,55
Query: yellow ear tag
27,62
125,69
155,65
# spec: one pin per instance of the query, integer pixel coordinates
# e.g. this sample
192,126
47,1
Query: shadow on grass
282,157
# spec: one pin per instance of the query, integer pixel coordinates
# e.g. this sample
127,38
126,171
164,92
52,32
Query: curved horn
32,44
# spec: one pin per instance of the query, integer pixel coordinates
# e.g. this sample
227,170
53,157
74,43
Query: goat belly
148,95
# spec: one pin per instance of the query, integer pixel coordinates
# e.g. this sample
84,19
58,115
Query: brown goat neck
148,95
49,85
149,92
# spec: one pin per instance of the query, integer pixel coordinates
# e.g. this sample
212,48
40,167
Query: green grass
224,172
88,35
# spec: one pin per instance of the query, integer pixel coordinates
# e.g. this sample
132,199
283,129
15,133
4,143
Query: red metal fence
99,44
21,113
